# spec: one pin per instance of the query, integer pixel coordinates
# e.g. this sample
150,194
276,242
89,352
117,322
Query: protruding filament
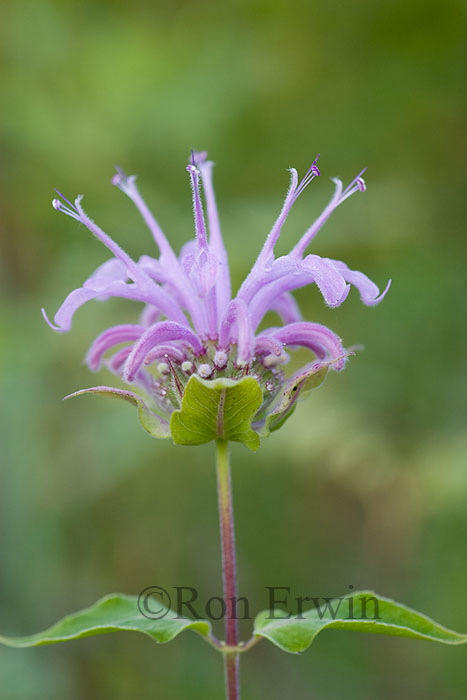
69,210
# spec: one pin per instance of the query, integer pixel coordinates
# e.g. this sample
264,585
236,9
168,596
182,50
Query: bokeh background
367,485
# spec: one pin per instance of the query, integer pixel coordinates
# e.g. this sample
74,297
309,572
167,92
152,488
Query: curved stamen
312,172
357,184
68,210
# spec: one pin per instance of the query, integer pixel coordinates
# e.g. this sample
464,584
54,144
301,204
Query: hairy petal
109,338
156,335
201,269
109,280
330,282
64,316
322,341
153,292
143,379
200,226
369,291
236,327
287,274
168,269
216,243
133,271
287,308
202,266
339,196
117,360
322,218
266,255
267,345
128,186
165,350
260,278
154,269
333,278
112,270
265,260
150,315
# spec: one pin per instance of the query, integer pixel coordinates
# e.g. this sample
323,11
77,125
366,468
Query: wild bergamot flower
192,336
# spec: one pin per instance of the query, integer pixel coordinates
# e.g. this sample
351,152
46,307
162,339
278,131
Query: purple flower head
191,326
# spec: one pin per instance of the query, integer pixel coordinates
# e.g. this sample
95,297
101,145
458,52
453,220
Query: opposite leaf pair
119,612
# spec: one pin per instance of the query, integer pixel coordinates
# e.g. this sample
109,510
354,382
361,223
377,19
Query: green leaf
217,409
113,613
298,387
153,424
368,612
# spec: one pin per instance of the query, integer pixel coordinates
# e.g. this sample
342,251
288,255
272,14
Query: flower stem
229,570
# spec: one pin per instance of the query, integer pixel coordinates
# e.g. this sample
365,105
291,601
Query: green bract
296,388
224,408
217,409
151,422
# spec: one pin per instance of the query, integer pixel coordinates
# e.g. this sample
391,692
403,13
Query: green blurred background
366,486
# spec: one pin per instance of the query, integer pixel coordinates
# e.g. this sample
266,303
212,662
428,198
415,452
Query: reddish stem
229,570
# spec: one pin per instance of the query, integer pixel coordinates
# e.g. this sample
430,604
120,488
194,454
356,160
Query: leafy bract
151,422
218,409
362,611
297,388
113,613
